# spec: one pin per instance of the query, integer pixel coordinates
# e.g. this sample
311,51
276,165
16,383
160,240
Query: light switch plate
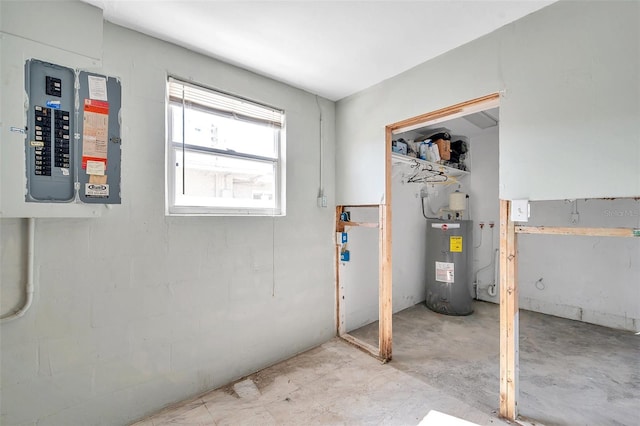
520,210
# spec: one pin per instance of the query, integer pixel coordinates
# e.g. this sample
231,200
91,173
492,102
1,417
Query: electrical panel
72,135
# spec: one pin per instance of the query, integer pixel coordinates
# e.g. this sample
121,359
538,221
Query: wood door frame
384,351
508,299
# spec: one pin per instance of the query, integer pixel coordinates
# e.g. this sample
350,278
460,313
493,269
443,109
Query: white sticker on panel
96,190
95,167
444,272
97,88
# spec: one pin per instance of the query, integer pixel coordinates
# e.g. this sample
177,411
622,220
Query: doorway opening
442,348
412,171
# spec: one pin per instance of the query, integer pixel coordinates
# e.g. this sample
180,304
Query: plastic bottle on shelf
433,153
423,150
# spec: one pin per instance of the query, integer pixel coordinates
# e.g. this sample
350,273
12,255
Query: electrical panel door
99,131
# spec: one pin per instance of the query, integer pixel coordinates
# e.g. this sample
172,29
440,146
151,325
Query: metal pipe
29,287
423,213
492,288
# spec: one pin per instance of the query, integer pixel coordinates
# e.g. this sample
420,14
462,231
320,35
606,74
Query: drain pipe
425,194
492,288
29,288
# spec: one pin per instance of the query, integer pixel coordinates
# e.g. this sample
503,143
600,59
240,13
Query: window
224,154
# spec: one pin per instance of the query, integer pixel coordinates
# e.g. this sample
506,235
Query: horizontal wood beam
364,346
361,224
490,100
590,232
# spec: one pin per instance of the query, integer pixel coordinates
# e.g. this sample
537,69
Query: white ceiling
329,48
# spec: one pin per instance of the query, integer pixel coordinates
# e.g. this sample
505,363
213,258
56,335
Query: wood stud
385,304
383,351
589,232
509,315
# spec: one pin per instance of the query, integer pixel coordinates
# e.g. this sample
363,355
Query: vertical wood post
509,316
385,303
385,306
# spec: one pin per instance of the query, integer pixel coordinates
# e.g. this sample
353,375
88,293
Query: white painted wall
584,278
485,206
135,310
409,247
359,277
569,105
591,279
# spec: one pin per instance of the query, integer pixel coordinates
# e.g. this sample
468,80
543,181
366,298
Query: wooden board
463,108
345,224
589,232
366,347
385,304
509,315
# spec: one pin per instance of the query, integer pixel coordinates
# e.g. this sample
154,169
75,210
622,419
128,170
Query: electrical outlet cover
520,211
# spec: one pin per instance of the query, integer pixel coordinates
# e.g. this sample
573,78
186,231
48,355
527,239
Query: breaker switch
54,86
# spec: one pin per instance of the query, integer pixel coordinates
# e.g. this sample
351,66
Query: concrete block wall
135,310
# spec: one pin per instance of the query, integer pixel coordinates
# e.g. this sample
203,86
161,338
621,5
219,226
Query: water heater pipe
423,213
29,287
492,289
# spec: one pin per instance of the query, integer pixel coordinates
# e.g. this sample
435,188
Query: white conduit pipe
493,288
29,288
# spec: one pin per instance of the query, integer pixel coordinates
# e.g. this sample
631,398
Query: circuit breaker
72,135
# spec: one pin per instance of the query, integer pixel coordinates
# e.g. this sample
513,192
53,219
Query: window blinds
222,104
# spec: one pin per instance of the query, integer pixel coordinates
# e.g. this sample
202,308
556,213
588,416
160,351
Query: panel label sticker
97,88
96,190
95,131
95,167
102,179
455,244
53,104
444,272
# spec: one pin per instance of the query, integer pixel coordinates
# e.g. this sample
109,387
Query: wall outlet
520,210
322,201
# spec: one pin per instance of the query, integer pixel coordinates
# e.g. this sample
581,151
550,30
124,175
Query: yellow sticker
455,244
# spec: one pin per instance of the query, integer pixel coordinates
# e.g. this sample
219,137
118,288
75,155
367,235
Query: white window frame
249,110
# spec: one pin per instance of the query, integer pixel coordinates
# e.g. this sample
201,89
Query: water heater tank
449,266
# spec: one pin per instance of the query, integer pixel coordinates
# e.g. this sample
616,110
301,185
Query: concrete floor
571,373
334,384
